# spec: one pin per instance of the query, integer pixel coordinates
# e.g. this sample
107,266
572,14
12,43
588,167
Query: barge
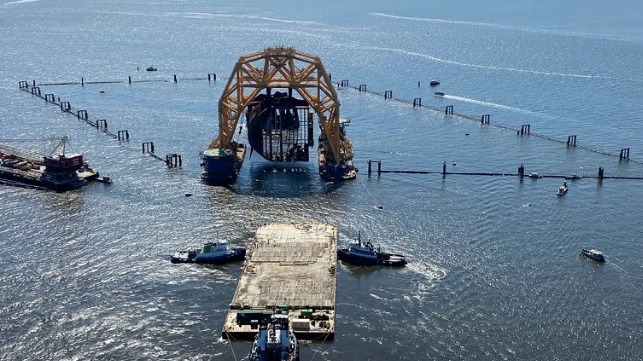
329,169
57,171
221,165
291,273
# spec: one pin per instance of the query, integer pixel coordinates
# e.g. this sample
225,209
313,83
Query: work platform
291,270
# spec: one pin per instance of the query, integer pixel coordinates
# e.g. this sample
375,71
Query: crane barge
279,91
57,171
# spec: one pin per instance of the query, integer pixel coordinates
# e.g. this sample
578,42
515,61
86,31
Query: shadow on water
360,271
284,180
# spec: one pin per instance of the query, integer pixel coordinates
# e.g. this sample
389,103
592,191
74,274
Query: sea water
494,268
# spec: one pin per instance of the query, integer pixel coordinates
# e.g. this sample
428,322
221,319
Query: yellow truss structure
282,68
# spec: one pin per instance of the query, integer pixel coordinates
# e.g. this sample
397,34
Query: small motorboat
562,189
104,179
535,175
434,83
218,252
594,254
573,176
151,68
275,341
362,253
440,94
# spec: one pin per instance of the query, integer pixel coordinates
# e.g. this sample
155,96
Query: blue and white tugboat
212,253
275,342
366,254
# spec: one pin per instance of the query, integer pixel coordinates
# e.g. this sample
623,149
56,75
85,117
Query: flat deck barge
291,271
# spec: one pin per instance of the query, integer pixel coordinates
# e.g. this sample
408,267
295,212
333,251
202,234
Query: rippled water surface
494,268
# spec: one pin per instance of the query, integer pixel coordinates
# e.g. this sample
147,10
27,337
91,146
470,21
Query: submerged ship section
280,91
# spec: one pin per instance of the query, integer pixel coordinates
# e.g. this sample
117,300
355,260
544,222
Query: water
494,272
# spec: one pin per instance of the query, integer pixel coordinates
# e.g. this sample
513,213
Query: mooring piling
123,135
417,102
101,123
525,129
388,94
148,147
486,119
362,88
625,154
173,160
50,98
82,114
448,110
571,141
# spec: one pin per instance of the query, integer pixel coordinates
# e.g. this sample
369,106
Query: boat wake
20,2
490,67
488,104
500,26
500,106
432,274
611,263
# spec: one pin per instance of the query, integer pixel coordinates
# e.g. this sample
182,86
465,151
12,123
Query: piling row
524,130
211,77
123,136
600,174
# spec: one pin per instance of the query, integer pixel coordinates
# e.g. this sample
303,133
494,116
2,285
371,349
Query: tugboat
212,253
275,342
562,189
594,254
366,254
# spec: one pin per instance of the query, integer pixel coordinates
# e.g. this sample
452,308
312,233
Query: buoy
102,92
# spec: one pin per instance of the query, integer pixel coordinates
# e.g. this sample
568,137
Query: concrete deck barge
291,270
